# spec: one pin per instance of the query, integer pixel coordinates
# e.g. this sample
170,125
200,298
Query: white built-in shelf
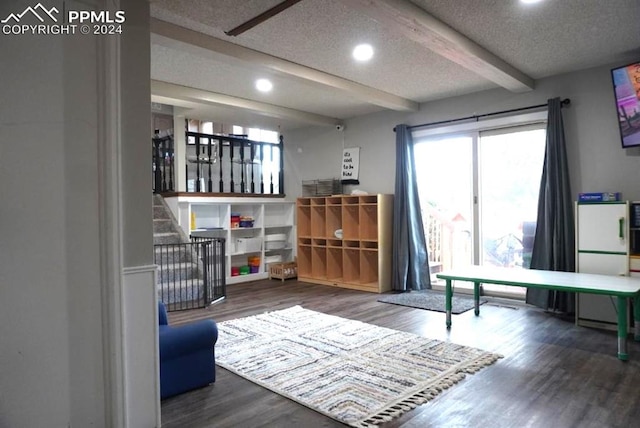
213,219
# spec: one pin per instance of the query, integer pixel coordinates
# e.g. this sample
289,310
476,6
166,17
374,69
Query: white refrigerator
602,247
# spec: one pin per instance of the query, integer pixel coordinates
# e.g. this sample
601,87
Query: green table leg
636,317
449,295
622,329
476,297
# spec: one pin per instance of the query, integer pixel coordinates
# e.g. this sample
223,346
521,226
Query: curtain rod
564,102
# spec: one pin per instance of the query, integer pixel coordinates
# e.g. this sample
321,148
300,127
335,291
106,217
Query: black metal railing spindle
171,156
242,167
205,265
262,168
252,154
271,170
220,155
209,182
281,166
231,166
163,165
197,186
157,175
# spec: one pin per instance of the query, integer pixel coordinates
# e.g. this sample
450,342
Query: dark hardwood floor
553,374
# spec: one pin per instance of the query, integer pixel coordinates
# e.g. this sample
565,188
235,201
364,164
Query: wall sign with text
350,165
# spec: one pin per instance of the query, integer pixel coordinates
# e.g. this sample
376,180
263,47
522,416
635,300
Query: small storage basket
283,271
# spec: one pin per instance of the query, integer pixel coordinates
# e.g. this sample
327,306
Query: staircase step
160,211
167,238
163,225
179,271
168,254
176,292
158,200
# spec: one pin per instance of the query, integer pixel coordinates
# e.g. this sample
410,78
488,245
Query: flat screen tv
626,84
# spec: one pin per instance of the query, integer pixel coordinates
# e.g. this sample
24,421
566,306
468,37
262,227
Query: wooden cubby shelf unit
304,217
360,258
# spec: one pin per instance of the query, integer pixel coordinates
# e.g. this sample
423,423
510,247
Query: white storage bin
276,237
275,245
277,258
248,245
275,241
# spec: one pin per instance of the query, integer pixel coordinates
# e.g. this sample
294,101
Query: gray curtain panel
410,263
554,243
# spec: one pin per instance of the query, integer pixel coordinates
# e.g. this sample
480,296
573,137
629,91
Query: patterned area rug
359,374
430,300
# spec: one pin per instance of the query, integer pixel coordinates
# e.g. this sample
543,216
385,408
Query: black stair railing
235,163
239,165
162,167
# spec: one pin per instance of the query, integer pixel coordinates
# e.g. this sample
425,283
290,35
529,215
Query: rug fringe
426,395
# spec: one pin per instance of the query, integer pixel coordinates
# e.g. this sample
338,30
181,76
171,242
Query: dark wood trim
222,195
261,18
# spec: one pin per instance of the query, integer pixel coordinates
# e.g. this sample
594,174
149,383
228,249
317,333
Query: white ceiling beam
260,59
413,22
184,93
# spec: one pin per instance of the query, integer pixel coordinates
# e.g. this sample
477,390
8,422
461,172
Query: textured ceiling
204,73
539,40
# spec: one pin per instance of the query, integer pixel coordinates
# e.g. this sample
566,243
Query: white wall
53,364
35,345
597,161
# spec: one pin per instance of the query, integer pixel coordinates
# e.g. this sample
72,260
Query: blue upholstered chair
186,355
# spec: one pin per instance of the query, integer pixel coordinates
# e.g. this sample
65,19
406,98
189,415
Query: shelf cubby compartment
304,202
304,261
319,262
350,200
209,216
316,202
334,200
318,220
369,245
351,244
276,215
304,241
336,243
304,221
334,264
369,222
369,199
350,222
334,219
319,242
249,210
351,265
369,267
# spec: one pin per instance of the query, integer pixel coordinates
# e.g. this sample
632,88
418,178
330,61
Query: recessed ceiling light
363,52
264,85
530,1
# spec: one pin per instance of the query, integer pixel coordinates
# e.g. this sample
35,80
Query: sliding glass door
444,170
479,195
